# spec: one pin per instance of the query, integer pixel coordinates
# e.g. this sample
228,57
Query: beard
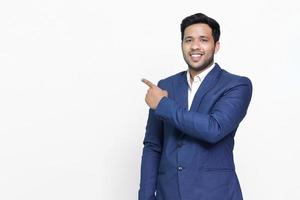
202,66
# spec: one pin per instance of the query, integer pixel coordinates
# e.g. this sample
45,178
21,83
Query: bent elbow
216,135
214,132
214,138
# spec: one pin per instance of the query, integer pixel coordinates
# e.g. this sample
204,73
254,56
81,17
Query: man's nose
195,45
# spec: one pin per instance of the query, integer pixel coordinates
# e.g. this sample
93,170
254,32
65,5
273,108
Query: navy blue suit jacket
188,154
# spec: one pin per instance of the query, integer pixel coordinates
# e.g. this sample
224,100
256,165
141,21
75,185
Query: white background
72,110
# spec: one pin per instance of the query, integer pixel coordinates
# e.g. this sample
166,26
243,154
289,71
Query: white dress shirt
193,87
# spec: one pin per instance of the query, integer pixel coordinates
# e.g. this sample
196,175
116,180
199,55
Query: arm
151,157
224,117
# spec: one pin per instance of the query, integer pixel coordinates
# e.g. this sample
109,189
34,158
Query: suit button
180,168
179,145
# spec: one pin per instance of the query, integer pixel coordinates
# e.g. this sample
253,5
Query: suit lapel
181,91
209,81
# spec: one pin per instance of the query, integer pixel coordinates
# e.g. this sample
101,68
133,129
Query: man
193,118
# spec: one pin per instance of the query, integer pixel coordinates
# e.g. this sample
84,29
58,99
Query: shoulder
172,79
233,84
230,78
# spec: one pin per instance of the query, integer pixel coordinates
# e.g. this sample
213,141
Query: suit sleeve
225,116
152,150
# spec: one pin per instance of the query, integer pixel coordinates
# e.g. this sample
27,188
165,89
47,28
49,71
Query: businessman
193,118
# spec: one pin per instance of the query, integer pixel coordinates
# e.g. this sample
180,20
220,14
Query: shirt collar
200,77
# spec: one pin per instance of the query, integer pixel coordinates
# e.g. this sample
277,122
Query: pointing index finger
149,83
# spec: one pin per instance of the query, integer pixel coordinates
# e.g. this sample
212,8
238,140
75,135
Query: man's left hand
154,94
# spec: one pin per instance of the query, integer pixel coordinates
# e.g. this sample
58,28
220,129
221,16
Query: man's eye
203,40
187,41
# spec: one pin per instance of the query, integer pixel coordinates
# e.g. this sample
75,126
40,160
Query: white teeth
195,55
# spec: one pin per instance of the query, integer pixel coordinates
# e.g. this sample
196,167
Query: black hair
200,18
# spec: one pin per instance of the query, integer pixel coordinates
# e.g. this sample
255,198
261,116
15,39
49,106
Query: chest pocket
207,103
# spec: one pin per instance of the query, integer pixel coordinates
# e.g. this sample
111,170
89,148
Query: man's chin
200,67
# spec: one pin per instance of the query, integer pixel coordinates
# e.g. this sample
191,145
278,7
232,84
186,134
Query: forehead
197,30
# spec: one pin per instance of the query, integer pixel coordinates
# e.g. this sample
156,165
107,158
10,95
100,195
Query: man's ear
217,47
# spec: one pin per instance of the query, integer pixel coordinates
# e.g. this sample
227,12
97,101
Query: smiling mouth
196,56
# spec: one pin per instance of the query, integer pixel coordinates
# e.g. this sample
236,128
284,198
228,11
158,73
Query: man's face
198,47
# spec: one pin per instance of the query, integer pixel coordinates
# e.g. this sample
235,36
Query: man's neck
194,73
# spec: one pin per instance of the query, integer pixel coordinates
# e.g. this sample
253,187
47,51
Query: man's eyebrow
201,36
188,37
